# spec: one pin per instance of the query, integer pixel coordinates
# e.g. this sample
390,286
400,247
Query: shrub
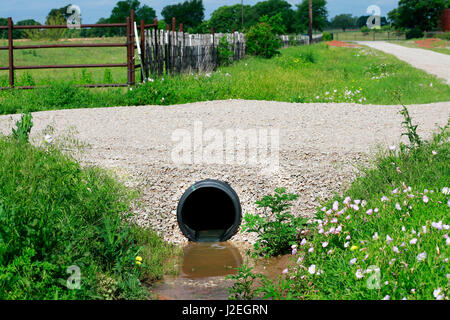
365,29
276,234
262,41
55,214
444,36
225,52
23,128
385,237
414,33
326,36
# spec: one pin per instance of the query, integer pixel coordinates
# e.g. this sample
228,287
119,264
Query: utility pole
242,5
310,21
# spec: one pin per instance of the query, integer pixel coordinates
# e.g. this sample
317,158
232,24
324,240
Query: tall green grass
300,74
386,237
56,215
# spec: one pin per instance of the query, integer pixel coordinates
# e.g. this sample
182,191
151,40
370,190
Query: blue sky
92,10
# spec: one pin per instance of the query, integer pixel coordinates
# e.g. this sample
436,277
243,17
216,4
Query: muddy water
204,268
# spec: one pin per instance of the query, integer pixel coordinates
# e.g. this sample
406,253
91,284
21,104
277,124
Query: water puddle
204,268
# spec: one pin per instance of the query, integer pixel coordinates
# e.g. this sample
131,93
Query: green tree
343,21
320,13
61,11
21,34
422,14
271,8
262,40
122,10
3,32
54,19
190,13
228,18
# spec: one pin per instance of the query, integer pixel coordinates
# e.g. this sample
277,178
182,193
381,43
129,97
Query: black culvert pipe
209,211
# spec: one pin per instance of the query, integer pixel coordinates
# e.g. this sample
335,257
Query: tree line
410,14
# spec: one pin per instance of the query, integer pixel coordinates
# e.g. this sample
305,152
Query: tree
146,13
122,10
320,14
271,8
343,21
423,14
228,18
262,40
61,11
3,32
190,13
119,14
21,34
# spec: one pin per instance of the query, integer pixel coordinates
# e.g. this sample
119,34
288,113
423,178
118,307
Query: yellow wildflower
353,248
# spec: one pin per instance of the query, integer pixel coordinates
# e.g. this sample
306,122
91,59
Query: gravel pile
321,146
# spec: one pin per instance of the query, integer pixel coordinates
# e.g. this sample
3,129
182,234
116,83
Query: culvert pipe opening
209,211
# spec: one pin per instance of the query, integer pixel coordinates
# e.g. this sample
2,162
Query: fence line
129,44
298,40
170,51
368,36
178,51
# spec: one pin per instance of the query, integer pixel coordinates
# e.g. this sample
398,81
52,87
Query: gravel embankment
320,145
432,62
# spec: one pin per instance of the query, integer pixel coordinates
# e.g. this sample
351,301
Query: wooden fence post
132,41
144,66
11,52
128,53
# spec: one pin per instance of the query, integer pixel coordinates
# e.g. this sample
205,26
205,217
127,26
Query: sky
93,10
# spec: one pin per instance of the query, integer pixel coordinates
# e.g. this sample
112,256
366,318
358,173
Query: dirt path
320,144
434,63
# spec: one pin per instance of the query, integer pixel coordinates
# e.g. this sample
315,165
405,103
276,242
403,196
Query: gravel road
320,145
432,62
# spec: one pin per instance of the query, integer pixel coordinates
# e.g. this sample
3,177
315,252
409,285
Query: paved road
432,62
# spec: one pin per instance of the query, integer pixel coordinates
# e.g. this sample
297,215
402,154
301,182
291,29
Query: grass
360,36
441,46
56,217
386,237
66,56
300,74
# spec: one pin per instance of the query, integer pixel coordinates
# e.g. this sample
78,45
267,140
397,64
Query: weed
24,126
274,236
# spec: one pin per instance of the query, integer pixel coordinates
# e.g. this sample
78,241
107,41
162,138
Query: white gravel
320,145
432,62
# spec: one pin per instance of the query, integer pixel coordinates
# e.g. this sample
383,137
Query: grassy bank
300,74
59,220
440,46
386,237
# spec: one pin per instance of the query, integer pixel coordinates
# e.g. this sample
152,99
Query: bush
326,36
262,41
365,29
385,237
275,236
225,52
414,33
55,215
444,36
